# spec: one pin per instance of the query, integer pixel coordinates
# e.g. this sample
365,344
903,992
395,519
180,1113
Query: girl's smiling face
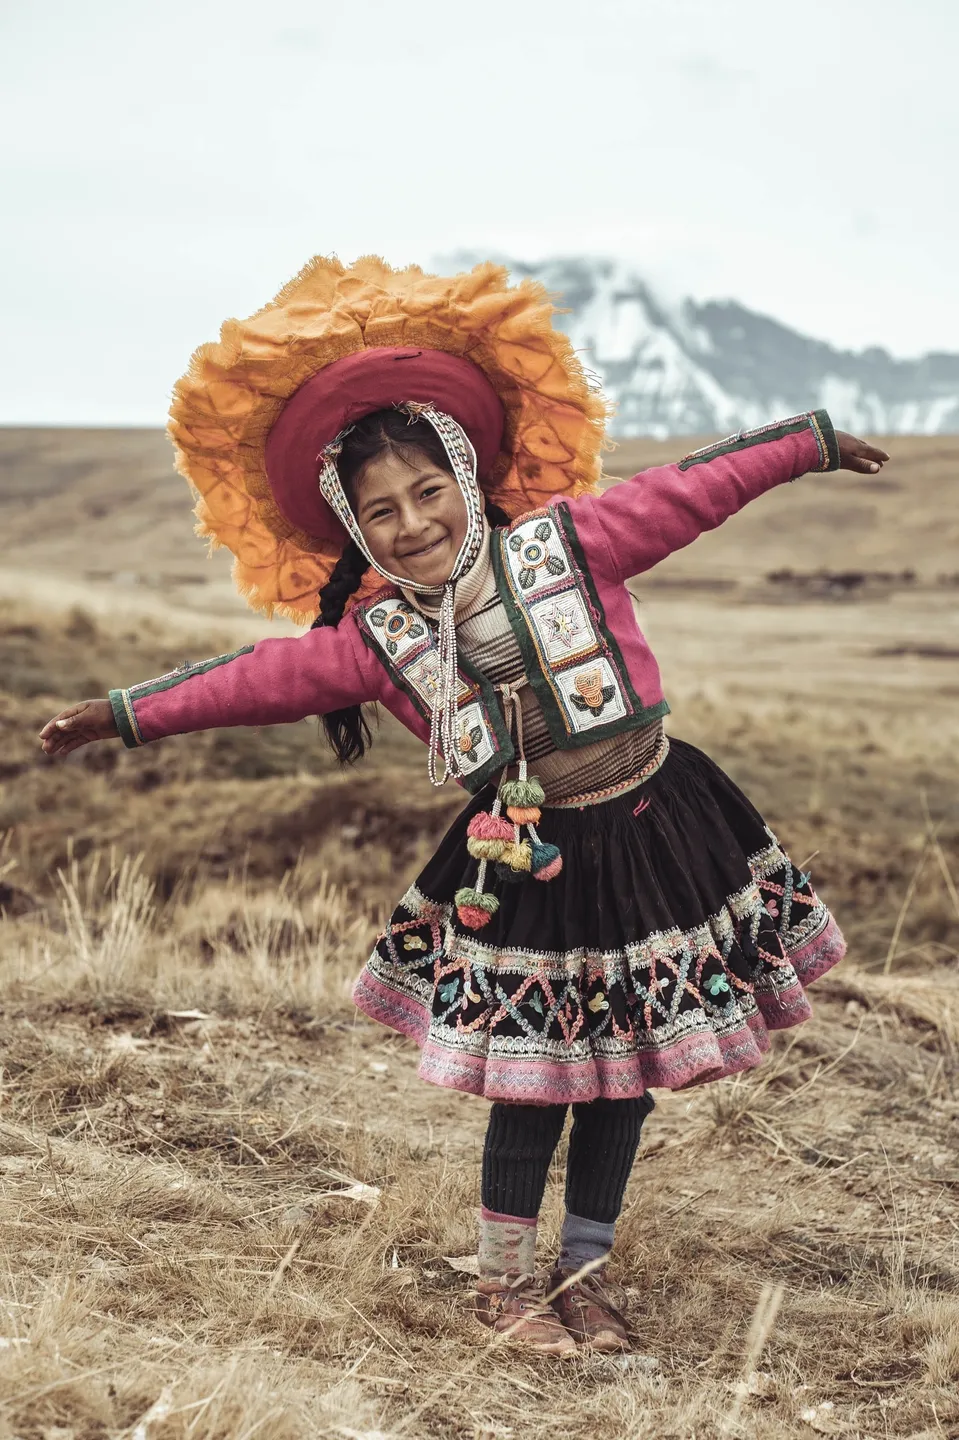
412,515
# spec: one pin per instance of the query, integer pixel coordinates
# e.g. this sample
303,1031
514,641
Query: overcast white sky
165,165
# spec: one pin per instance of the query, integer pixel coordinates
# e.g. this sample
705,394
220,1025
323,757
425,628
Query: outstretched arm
272,683
658,511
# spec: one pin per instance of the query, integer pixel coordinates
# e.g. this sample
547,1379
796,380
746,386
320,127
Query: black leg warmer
602,1148
520,1141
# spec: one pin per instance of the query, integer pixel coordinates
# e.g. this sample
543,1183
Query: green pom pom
547,862
477,899
522,793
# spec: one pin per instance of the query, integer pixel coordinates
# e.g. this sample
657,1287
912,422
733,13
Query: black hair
385,431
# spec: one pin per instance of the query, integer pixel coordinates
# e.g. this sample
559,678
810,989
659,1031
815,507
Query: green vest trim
573,662
405,644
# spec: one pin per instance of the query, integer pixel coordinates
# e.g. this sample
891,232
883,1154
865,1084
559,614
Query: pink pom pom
489,827
473,917
550,871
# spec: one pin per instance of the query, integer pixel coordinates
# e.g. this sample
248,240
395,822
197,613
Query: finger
69,744
51,726
864,465
63,721
859,447
55,741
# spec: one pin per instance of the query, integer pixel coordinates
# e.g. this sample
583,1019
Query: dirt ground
229,1207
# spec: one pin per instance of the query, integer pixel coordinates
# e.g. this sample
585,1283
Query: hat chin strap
462,457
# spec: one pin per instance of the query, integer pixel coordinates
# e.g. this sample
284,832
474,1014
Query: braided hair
347,730
383,432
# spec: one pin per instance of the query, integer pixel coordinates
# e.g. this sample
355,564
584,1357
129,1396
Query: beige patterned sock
506,1243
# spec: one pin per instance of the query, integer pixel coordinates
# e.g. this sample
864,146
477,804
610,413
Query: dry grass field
228,1207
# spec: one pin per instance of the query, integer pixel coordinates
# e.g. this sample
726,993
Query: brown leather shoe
587,1312
513,1306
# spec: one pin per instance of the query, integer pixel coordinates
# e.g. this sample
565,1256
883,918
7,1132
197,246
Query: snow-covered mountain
694,369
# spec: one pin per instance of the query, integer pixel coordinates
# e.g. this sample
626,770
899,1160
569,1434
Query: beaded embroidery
406,644
578,677
572,662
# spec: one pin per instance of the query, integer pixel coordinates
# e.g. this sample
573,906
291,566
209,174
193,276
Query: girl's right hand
90,720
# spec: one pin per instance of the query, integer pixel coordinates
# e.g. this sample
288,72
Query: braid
343,582
495,515
347,729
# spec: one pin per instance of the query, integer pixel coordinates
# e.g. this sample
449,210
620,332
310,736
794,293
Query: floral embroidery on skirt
678,934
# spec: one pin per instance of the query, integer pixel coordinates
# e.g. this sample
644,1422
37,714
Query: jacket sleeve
271,683
641,521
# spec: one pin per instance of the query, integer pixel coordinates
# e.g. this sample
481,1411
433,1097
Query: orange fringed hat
256,497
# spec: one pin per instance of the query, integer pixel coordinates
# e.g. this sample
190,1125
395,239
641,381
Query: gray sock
582,1241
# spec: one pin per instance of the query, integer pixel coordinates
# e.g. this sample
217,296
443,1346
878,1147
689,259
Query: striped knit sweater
585,775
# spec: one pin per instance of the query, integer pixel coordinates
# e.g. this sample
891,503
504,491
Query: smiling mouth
427,550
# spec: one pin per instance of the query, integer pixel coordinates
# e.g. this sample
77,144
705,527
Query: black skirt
677,934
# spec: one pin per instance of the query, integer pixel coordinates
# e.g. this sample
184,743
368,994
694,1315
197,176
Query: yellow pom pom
517,857
485,849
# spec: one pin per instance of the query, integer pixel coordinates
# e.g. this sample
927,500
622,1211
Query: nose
412,522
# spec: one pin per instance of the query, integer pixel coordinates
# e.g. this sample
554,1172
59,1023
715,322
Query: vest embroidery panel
406,644
573,663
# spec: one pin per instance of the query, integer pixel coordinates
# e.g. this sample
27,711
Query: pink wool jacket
591,546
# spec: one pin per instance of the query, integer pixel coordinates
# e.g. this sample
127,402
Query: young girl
618,920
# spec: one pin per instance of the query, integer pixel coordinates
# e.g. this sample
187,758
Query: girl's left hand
859,454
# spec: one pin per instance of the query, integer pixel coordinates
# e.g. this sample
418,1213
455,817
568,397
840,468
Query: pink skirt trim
703,1055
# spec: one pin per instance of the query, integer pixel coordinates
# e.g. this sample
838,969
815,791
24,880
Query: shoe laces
526,1289
589,1289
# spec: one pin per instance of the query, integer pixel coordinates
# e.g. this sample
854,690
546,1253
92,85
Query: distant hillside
691,369
104,510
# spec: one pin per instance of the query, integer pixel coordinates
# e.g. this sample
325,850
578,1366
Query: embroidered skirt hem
677,935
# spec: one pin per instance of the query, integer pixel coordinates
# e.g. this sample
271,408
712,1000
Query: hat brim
238,389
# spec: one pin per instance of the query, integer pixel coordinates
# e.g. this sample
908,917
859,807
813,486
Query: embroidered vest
572,660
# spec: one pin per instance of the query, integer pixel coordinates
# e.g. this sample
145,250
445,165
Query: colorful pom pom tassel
485,849
472,916
484,826
517,855
525,793
524,814
547,862
475,908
